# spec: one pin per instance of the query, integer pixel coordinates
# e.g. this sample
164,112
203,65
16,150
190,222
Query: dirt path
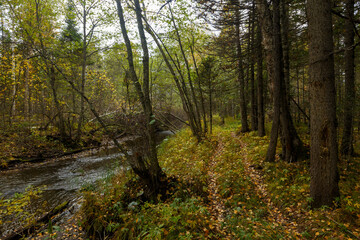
279,217
217,207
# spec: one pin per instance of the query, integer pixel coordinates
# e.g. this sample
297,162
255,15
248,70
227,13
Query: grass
114,210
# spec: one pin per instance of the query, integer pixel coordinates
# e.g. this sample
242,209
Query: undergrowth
20,209
116,210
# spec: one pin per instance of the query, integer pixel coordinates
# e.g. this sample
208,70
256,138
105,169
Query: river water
61,178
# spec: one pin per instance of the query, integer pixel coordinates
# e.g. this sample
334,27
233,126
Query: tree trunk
14,88
260,85
196,111
187,100
277,81
346,143
291,144
240,74
61,123
254,119
202,101
210,103
83,73
26,93
284,18
150,172
154,169
324,148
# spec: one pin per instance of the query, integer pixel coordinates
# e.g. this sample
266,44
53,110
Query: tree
272,43
260,84
70,33
240,70
292,146
324,148
145,166
346,147
86,13
207,75
252,56
180,68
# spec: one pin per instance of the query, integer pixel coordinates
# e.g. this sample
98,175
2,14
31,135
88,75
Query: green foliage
184,156
118,211
21,209
289,188
113,212
20,142
178,219
70,33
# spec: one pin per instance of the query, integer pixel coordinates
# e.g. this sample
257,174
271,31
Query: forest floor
225,190
220,188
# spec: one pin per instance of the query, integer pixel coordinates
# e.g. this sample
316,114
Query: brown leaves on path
256,177
216,205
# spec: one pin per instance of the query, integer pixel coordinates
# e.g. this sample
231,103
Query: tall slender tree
251,53
346,143
260,83
240,69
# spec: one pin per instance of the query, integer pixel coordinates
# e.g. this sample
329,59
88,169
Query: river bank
56,180
21,146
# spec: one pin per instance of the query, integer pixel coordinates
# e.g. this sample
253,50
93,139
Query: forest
226,119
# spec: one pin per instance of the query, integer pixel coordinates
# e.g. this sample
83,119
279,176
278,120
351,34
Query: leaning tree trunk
346,143
324,148
154,168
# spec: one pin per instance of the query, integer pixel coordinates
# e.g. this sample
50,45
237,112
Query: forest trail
217,206
256,176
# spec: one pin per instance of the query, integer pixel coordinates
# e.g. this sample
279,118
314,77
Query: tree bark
284,18
155,170
277,79
150,173
240,74
61,123
260,85
346,143
291,144
324,148
254,119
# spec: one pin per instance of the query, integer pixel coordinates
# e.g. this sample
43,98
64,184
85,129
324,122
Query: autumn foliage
222,188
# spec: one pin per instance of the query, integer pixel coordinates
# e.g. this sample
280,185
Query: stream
61,178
